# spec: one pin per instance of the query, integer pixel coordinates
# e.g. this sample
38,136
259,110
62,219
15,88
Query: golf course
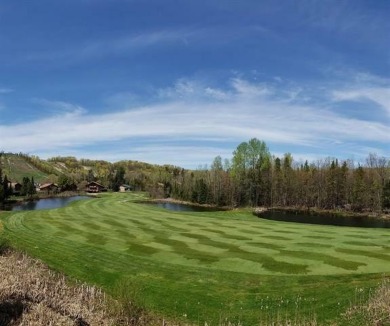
206,266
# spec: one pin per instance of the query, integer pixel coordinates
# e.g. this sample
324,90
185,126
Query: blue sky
180,82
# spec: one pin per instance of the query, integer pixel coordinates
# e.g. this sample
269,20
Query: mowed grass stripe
123,224
183,256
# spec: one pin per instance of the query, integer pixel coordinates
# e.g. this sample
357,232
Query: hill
15,167
70,170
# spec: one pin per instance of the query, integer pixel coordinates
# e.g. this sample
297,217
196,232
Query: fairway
206,264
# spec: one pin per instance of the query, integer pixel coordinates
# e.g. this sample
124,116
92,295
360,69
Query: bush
4,246
129,305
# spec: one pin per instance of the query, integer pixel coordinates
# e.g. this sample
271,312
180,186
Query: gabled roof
13,184
47,185
95,184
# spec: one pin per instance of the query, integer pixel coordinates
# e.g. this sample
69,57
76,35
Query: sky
180,82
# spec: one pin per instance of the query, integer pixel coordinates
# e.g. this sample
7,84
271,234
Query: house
94,187
16,187
48,187
124,188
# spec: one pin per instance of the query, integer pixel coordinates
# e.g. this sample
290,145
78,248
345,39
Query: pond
47,203
182,207
325,219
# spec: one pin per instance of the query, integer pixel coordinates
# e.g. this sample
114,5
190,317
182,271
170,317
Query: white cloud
251,111
379,95
59,106
121,45
6,90
247,89
217,94
132,43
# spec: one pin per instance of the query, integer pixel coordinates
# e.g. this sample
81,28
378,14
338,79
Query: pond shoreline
289,209
323,217
37,197
188,203
325,212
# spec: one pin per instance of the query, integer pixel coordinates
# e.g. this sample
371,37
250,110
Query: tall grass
370,307
31,294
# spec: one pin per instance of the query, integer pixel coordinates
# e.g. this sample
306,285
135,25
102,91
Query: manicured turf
207,265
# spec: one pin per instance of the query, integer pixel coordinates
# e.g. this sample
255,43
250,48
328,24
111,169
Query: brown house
16,187
95,187
48,187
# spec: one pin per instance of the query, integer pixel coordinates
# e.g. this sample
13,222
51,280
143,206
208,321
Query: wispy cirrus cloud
121,45
133,43
58,107
6,90
379,95
191,113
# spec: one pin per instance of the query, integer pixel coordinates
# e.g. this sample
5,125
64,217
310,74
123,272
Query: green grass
206,266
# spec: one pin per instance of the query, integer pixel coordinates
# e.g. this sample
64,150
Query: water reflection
183,207
47,203
328,219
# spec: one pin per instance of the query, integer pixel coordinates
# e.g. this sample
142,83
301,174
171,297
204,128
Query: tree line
6,189
254,177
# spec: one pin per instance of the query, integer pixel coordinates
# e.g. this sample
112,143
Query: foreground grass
209,266
370,309
31,294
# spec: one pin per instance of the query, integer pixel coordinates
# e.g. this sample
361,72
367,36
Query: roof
95,183
47,185
13,184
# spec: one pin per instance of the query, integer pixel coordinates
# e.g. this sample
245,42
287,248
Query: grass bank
209,266
32,294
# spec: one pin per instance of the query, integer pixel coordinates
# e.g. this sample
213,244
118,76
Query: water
328,219
48,203
182,207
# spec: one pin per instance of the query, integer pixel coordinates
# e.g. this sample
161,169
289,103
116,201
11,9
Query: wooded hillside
252,177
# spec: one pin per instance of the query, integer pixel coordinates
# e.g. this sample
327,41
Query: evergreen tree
7,189
386,195
2,197
90,176
118,179
31,188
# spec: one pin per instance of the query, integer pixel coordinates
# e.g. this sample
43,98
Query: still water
48,203
182,207
299,217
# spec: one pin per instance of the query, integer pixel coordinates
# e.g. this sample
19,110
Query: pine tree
7,190
2,197
386,195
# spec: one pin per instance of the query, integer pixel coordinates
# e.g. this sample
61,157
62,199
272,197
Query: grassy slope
209,265
15,167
